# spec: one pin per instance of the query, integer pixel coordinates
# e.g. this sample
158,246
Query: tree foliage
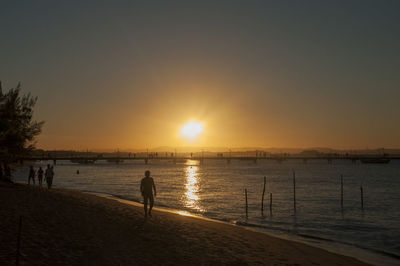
17,127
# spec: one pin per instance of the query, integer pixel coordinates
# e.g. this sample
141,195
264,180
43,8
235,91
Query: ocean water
215,189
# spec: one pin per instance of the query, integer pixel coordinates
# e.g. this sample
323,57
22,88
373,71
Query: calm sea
215,189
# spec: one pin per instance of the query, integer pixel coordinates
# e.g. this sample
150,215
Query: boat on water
375,160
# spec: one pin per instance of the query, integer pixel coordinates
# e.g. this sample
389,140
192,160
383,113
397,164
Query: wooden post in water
294,192
270,204
262,199
362,198
18,241
341,191
247,209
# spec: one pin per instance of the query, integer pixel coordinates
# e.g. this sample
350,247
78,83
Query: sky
130,74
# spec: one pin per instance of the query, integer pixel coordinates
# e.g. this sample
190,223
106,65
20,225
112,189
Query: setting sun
192,129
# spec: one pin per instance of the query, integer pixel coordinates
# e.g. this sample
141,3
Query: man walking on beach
146,188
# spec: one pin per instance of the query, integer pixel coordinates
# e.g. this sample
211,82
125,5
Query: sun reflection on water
191,197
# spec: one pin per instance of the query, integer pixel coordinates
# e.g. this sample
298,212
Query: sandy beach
65,227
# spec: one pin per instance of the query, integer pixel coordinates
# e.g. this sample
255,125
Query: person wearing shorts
146,188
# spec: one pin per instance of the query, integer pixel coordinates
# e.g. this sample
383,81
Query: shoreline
63,226
345,249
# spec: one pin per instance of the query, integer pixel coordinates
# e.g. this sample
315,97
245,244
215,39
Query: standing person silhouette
49,174
7,172
146,188
31,175
40,175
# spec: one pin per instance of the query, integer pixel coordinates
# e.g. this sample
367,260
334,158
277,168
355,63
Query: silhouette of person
40,175
146,188
31,175
49,176
7,172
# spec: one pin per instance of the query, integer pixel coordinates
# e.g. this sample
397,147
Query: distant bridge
174,159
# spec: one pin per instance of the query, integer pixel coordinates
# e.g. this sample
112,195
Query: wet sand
65,227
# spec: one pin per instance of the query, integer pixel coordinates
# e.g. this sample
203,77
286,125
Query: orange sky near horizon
230,120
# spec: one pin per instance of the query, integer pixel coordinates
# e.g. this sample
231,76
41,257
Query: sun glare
192,129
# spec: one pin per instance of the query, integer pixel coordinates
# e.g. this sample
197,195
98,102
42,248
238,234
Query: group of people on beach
147,185
48,174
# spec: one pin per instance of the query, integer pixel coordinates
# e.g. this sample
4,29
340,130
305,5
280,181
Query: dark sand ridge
65,227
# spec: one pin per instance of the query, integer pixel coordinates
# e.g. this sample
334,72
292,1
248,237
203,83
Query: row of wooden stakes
294,196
